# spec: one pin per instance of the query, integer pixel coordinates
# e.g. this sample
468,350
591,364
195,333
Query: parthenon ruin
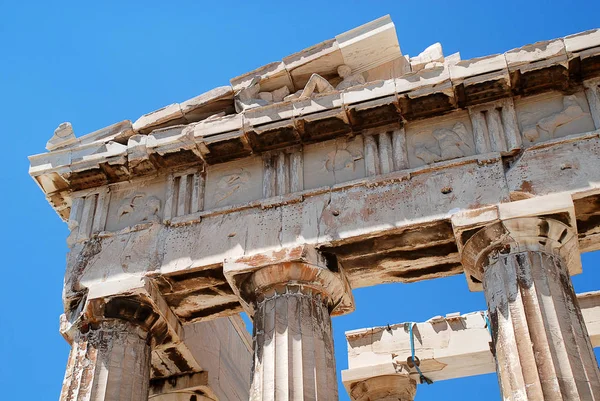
345,165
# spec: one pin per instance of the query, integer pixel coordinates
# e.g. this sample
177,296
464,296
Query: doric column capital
396,387
540,234
291,294
109,361
135,301
299,269
544,223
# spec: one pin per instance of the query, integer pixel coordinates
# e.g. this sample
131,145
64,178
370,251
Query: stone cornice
121,152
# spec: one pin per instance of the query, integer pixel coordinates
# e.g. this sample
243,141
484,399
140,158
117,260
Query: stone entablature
409,239
141,224
497,103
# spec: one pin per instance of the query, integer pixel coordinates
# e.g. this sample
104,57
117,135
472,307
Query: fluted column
399,387
542,348
293,356
109,361
291,299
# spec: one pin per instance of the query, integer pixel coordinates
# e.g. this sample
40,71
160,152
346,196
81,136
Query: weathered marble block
333,162
135,203
435,140
553,115
234,182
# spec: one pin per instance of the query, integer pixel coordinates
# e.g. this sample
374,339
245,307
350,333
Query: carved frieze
553,115
333,162
234,182
138,208
498,126
135,203
592,92
434,140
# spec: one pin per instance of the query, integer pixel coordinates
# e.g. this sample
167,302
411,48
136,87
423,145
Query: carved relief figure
318,84
343,158
274,96
340,160
139,208
230,184
315,84
248,98
251,96
453,143
548,125
348,79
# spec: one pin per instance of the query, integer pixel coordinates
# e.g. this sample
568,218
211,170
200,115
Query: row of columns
539,338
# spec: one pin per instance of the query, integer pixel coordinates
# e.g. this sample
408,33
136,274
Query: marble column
541,345
399,387
293,347
292,303
109,361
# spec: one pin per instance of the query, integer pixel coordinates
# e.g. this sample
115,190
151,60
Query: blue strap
487,323
412,353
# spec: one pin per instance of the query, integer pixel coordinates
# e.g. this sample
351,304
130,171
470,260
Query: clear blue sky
97,63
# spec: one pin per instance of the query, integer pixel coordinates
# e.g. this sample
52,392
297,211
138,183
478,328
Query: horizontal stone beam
447,347
223,348
394,227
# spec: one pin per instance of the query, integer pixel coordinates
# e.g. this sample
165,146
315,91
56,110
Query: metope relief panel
87,215
439,139
136,202
233,183
185,193
333,162
553,115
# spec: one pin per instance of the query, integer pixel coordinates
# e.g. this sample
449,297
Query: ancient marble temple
345,165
